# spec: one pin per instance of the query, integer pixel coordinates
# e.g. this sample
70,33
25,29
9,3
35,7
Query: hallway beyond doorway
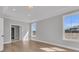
15,32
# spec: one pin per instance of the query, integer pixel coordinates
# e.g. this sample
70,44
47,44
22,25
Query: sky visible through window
72,20
33,26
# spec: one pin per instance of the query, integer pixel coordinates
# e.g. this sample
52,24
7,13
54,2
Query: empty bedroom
39,28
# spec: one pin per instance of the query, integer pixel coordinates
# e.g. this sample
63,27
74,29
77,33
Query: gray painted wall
8,22
51,30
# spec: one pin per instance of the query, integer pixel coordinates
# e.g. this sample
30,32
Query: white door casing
1,33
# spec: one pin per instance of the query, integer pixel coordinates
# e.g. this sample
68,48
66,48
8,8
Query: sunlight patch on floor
58,49
48,49
53,49
26,36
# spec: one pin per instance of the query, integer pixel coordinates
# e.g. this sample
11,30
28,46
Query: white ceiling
26,14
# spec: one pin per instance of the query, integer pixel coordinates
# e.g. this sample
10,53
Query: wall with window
51,31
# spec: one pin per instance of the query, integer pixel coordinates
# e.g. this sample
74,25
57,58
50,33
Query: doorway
15,32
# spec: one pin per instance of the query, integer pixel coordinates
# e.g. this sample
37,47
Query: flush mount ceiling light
29,8
13,9
28,15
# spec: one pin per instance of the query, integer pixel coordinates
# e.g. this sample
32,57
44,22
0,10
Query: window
33,29
71,27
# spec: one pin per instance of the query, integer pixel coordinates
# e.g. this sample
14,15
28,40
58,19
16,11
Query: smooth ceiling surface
35,13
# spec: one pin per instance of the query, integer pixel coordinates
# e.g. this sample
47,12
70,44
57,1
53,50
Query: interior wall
51,30
7,25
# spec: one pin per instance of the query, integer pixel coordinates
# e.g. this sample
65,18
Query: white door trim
1,34
19,31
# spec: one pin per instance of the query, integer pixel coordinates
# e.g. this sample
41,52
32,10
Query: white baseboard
7,42
1,48
73,48
11,41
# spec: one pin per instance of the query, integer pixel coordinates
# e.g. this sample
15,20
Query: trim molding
11,42
1,49
7,42
65,46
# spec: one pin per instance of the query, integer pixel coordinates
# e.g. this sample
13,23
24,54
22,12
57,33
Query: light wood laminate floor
33,46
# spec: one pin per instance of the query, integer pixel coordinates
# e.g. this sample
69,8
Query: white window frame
70,14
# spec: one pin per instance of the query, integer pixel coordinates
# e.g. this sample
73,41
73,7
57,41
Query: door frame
2,36
20,31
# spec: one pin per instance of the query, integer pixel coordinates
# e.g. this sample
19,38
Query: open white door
1,33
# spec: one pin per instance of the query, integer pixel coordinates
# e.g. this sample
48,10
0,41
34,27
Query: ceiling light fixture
30,7
28,15
13,9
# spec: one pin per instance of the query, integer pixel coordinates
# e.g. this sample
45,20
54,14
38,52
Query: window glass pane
33,26
71,26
